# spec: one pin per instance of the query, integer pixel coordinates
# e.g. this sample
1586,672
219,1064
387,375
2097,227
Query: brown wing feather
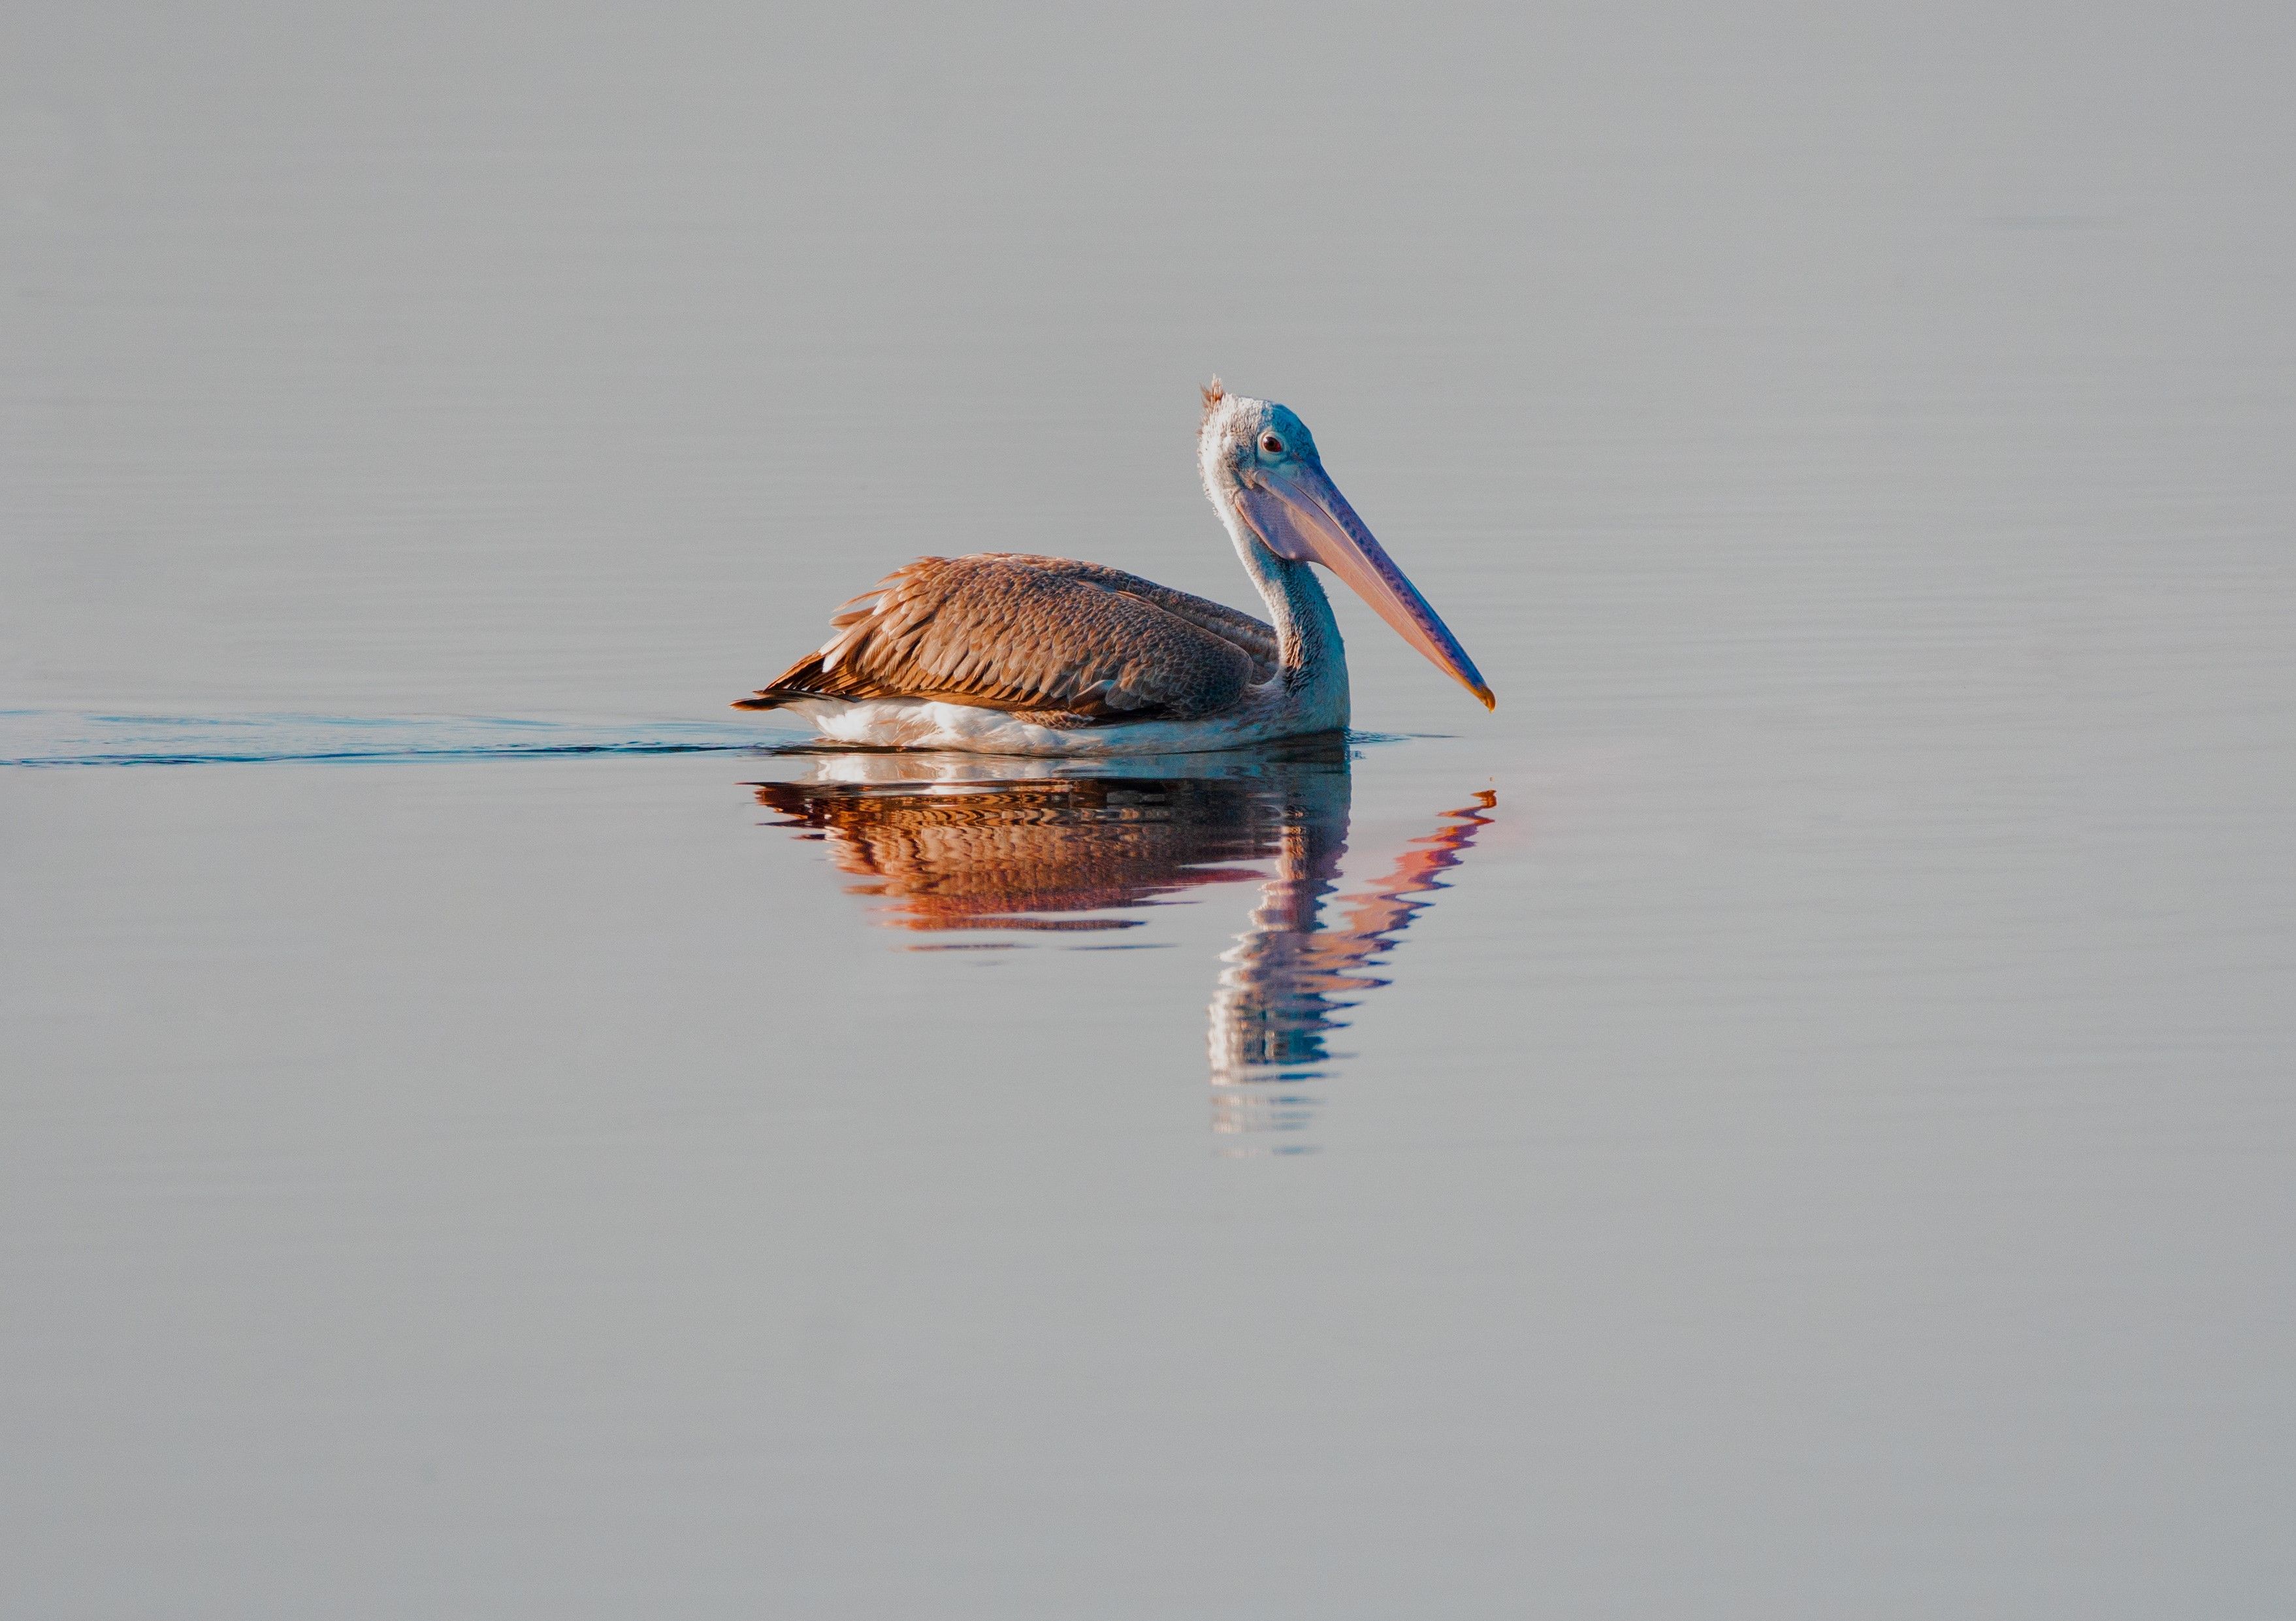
1040,635
1255,636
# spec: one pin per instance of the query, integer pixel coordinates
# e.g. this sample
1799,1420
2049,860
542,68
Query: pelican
1003,653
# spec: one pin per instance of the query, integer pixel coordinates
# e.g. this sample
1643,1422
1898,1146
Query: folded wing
1077,644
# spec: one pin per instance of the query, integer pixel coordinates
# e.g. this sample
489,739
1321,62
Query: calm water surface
1790,1117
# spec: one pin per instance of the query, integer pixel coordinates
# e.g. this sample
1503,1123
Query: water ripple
56,738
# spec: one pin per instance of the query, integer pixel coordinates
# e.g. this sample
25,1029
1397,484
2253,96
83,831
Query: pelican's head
1262,471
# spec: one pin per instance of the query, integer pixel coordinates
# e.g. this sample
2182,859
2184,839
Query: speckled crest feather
1061,642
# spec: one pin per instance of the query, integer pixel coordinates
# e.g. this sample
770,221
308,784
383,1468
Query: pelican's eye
1273,445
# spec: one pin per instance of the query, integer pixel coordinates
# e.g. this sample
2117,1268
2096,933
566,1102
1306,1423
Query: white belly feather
919,722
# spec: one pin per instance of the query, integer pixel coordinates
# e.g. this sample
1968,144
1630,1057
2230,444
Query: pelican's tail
799,681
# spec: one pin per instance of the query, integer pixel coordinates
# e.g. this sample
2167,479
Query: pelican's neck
1313,662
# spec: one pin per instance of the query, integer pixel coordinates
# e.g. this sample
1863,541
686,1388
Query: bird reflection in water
965,844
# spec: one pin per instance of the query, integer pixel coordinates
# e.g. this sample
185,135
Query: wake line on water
62,738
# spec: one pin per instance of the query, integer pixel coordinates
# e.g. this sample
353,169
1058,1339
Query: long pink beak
1301,517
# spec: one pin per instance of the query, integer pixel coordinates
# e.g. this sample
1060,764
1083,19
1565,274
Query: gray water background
1827,1152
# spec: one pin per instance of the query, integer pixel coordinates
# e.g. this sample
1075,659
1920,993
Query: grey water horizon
1800,1097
